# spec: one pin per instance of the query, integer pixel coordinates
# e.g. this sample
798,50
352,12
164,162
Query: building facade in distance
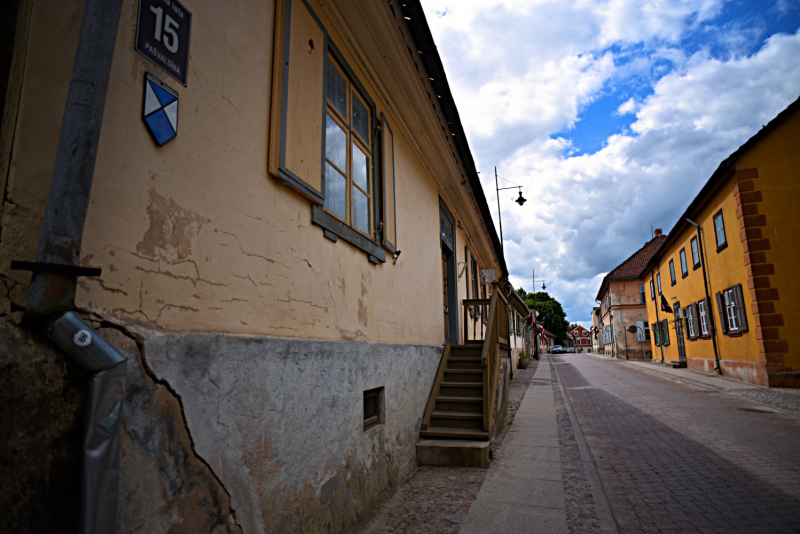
623,305
582,337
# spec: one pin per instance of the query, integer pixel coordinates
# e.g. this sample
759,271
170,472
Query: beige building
282,274
623,306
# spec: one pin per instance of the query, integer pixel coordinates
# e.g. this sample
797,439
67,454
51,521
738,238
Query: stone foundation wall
221,433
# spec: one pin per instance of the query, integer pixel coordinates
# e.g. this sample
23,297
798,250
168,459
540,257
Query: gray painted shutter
696,320
639,330
297,145
740,310
388,183
723,317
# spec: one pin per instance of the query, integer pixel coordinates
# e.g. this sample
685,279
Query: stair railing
437,384
496,333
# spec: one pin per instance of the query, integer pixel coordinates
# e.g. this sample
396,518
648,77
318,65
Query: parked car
571,350
558,349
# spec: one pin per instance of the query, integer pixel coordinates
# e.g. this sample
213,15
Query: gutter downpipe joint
51,297
709,312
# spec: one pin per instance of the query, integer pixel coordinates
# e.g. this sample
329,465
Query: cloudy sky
611,114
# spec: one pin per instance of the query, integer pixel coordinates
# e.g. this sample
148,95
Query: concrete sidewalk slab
524,489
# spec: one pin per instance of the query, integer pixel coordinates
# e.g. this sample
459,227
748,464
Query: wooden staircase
457,408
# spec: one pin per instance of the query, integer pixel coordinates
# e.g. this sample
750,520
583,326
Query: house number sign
163,34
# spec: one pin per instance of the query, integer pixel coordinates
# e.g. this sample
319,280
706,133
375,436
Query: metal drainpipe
709,312
52,292
658,303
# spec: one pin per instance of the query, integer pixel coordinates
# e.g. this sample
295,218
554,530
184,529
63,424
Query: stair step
462,384
455,433
473,376
447,398
457,415
473,364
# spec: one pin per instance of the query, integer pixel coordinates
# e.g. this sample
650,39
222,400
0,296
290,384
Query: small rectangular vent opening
373,408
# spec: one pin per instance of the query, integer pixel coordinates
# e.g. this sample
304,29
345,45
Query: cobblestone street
674,456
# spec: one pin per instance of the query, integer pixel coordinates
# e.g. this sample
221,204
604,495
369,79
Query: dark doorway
679,331
447,238
9,9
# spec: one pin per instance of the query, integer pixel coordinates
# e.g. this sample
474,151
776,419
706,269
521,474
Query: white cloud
523,71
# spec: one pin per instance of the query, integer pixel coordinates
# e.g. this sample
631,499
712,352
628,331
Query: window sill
722,247
674,282
335,229
705,336
734,334
684,275
695,267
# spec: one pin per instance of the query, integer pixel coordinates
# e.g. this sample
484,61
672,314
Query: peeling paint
172,229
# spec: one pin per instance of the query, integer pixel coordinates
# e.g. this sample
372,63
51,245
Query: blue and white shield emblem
160,112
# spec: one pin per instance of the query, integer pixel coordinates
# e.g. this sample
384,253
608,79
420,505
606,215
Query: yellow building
286,217
726,272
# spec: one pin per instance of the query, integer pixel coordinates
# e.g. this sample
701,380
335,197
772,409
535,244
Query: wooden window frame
694,244
684,263
723,246
281,123
353,89
672,277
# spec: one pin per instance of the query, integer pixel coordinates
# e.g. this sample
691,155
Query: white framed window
642,331
730,310
701,307
689,312
695,254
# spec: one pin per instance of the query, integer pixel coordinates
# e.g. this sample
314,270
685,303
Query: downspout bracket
57,268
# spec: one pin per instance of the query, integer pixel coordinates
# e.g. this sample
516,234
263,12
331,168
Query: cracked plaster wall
196,235
280,422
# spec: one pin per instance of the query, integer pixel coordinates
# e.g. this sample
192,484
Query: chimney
658,232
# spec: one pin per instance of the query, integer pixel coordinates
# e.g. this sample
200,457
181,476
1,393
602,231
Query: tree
551,313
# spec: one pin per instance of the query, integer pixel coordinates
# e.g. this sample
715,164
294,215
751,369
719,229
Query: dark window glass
719,230
336,88
360,118
652,290
658,280
672,271
641,293
684,267
695,253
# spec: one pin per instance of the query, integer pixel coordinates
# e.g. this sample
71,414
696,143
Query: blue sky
611,114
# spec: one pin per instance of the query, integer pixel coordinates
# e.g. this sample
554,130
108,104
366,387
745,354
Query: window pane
336,144
360,211
695,255
336,89
360,118
335,191
360,169
719,227
684,268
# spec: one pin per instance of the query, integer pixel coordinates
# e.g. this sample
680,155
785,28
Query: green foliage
551,313
522,354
